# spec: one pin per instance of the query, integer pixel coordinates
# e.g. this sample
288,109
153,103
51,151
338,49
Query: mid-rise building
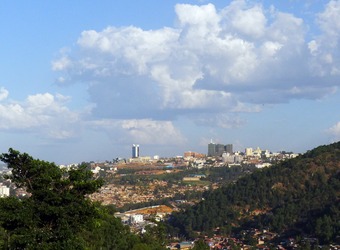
211,149
229,148
136,218
4,191
219,149
228,158
190,154
249,151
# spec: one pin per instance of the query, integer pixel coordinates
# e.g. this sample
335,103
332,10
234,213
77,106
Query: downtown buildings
219,149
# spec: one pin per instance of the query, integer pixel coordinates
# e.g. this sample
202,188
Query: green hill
299,196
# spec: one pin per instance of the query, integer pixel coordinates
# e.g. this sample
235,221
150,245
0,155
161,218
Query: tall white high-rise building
135,151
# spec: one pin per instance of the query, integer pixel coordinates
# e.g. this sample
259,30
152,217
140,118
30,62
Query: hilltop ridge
297,197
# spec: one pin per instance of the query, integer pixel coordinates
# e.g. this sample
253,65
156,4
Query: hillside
295,197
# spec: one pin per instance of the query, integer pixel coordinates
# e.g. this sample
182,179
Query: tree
107,232
201,245
155,236
56,210
324,229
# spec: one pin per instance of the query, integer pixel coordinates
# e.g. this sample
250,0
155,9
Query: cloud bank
212,66
212,61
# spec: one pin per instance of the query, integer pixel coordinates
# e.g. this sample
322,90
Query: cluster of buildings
223,153
139,219
218,149
251,239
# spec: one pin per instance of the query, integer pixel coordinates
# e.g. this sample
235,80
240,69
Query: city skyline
83,81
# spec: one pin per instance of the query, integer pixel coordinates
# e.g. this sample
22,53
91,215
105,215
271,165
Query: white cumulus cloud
43,114
145,131
212,60
325,48
248,20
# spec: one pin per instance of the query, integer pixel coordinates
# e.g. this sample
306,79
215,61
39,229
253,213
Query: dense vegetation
56,213
296,197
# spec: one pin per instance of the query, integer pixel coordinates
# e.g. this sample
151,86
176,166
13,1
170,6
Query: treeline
296,197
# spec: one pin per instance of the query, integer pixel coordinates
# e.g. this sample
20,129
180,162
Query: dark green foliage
57,213
300,195
107,232
155,236
201,245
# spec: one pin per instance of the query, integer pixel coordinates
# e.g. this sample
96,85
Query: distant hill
299,196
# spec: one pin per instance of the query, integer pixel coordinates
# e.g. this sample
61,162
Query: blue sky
84,80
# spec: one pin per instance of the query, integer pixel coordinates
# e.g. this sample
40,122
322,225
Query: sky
84,80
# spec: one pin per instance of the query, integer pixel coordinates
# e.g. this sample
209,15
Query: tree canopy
56,213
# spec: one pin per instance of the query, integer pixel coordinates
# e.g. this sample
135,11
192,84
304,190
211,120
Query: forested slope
298,197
